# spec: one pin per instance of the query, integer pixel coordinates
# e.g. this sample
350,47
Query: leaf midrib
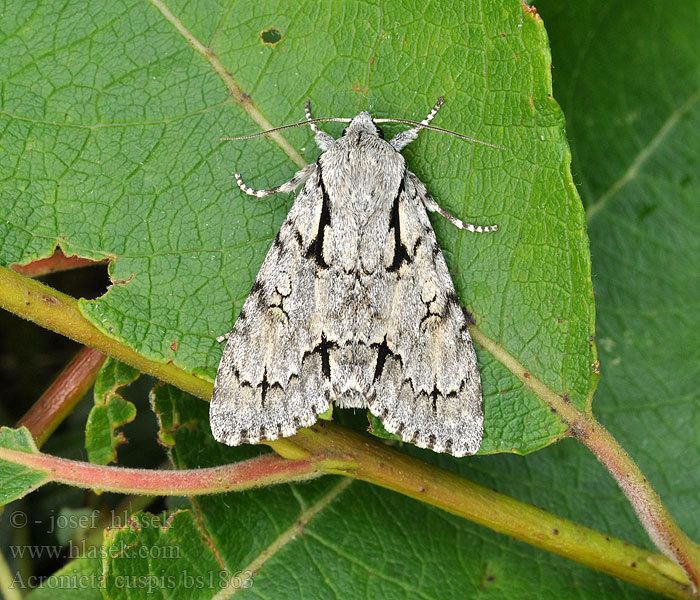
237,93
643,155
289,534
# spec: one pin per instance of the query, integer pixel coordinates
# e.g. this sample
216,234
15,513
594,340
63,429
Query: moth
353,305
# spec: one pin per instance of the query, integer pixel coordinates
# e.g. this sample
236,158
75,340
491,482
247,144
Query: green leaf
165,556
112,122
647,396
377,429
636,141
17,481
80,579
109,413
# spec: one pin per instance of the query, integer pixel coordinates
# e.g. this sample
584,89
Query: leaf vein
241,98
290,534
643,155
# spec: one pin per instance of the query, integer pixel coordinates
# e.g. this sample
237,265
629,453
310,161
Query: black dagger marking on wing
315,249
401,254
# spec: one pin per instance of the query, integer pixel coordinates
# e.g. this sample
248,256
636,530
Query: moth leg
432,206
299,178
401,140
323,140
223,338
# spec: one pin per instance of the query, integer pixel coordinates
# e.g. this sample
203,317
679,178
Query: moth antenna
324,141
404,138
289,126
434,111
419,124
441,130
309,117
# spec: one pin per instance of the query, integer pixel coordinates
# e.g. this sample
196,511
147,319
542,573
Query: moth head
363,124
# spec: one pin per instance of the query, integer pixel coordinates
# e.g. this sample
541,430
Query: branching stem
363,458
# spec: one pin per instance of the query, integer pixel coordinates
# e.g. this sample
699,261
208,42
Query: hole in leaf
89,282
73,275
271,36
30,357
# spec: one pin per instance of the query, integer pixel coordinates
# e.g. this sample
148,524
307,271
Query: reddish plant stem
59,399
657,521
264,470
583,426
56,262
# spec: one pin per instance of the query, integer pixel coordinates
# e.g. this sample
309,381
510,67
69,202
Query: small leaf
109,413
376,428
162,399
327,415
17,481
80,579
168,557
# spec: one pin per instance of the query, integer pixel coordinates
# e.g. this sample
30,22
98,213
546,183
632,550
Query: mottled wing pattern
271,380
353,305
427,387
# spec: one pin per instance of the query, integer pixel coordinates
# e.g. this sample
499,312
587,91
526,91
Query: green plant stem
268,469
374,462
62,395
650,509
60,313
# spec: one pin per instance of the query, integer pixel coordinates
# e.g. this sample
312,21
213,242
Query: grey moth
353,306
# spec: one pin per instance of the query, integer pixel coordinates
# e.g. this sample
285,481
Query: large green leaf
646,294
628,76
112,119
647,396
